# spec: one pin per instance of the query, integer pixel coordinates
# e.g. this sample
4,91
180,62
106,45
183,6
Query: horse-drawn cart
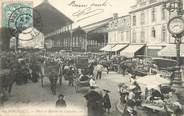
78,84
83,79
52,73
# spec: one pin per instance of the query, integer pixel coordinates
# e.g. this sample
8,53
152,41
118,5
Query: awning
155,47
118,47
152,50
170,51
107,48
130,51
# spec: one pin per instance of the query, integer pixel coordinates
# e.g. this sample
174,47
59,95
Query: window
142,18
153,15
54,43
64,42
115,25
134,20
122,36
163,39
73,41
58,43
163,13
134,37
115,37
153,32
77,41
142,36
127,36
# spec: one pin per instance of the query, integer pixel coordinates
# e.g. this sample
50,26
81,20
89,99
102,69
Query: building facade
60,39
118,33
90,37
56,26
149,21
119,30
149,25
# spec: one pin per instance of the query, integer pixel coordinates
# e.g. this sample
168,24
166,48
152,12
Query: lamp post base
177,82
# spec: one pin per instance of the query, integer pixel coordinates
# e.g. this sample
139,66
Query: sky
111,6
71,9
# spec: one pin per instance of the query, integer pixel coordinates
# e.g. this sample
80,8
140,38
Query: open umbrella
152,81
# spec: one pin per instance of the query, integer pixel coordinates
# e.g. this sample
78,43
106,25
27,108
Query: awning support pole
86,41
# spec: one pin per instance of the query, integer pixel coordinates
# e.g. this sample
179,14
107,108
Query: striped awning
119,47
170,51
108,47
130,51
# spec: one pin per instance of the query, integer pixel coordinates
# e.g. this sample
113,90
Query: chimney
115,15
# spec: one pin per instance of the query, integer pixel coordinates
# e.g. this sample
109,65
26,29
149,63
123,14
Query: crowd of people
98,99
133,96
20,68
24,67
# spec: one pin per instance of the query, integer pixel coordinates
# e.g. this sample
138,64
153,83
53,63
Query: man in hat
99,69
106,101
133,79
94,102
71,76
60,102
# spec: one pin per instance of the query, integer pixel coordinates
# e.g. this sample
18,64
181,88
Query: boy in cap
60,102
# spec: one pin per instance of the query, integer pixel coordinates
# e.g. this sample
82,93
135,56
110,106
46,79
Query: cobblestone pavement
32,94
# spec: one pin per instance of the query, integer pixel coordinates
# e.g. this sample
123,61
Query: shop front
108,48
118,48
133,50
170,51
152,50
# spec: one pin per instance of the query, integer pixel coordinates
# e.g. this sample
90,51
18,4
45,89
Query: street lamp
176,28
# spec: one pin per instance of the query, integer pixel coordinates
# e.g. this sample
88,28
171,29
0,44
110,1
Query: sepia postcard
91,58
